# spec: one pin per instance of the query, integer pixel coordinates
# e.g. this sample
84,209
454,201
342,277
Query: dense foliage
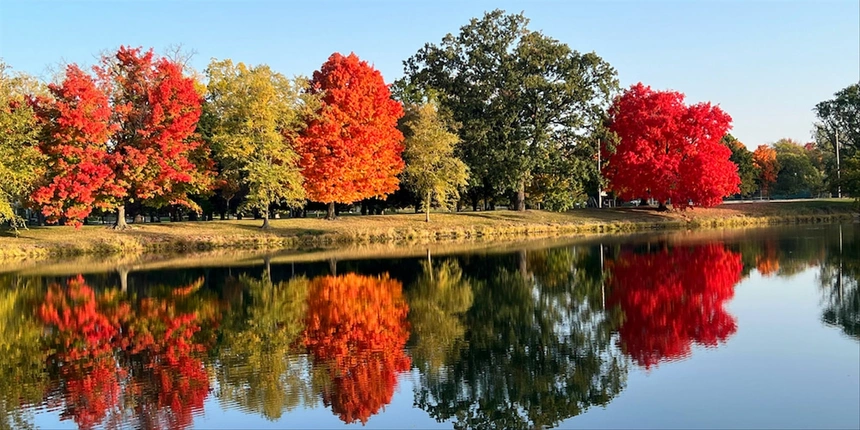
669,151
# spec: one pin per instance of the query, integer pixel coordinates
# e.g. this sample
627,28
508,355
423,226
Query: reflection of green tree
22,358
536,354
437,302
839,278
259,370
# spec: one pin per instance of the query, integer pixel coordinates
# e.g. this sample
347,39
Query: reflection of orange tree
356,330
673,298
767,263
110,355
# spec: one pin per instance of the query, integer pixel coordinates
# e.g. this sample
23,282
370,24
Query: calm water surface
717,330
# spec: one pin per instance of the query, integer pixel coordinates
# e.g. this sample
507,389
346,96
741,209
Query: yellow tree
432,171
19,158
258,115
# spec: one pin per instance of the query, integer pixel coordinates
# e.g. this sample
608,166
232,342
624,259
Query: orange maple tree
356,329
352,148
672,299
764,158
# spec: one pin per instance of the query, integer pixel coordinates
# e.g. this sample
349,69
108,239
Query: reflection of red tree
175,381
109,354
674,298
356,327
83,339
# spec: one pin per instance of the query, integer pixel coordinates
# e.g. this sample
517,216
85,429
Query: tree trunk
429,264
123,279
523,263
662,207
332,267
120,223
330,213
427,207
521,195
265,220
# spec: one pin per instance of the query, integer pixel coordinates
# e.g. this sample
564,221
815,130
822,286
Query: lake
754,328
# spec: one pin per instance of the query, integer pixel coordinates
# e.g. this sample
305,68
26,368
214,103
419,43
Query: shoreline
56,242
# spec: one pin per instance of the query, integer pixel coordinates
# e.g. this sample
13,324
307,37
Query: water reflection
521,339
840,283
111,358
356,331
672,298
537,348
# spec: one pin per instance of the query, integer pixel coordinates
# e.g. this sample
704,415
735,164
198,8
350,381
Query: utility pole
602,285
838,168
599,187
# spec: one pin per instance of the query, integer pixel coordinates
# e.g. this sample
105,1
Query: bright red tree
157,156
668,150
76,128
672,299
356,328
352,149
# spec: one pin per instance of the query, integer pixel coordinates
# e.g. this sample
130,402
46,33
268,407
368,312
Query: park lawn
406,228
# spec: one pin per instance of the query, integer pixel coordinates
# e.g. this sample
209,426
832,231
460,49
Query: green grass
183,237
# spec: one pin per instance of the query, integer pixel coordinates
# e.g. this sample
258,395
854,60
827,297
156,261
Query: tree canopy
517,93
665,146
20,161
258,117
432,170
352,149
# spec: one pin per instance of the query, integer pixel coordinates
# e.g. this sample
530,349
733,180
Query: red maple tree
352,149
669,151
127,135
356,328
764,158
672,299
76,128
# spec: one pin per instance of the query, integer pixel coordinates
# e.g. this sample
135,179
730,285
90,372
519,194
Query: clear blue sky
765,62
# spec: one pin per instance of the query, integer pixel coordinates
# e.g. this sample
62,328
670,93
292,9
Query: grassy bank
52,242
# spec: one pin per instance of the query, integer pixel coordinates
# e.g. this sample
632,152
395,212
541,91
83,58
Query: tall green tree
839,125
797,174
432,170
839,119
19,158
259,113
514,91
743,158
